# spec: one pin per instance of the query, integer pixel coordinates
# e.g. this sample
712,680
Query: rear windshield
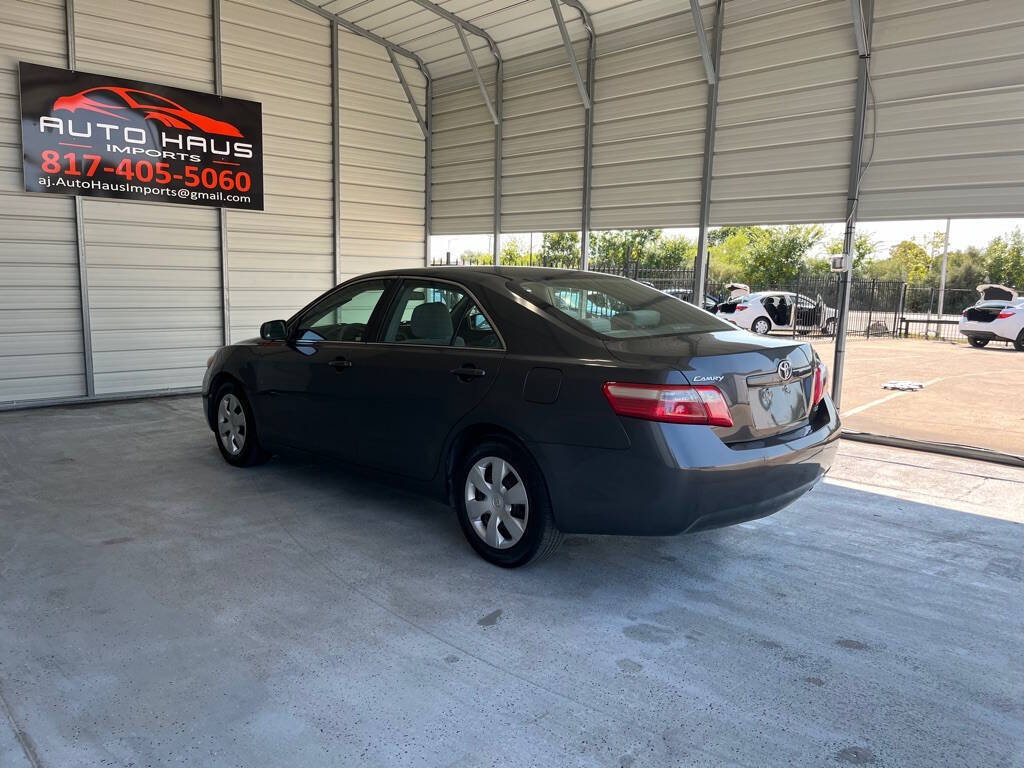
615,307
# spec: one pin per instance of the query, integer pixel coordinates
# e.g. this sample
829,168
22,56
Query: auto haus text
135,141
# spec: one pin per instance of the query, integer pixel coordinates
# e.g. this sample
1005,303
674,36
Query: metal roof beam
461,23
570,52
356,29
476,73
702,41
408,93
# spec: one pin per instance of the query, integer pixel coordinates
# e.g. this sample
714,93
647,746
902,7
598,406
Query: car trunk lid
751,372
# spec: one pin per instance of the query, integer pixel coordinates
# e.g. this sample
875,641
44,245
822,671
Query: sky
962,233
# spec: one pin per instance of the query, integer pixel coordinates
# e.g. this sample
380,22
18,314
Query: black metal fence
921,316
810,307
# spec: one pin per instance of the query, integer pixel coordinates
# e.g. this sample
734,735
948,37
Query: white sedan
994,321
767,311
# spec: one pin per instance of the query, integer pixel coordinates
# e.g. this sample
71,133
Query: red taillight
675,404
820,382
741,307
1007,313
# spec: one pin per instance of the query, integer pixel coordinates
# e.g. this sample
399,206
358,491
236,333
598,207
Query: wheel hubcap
496,502
231,425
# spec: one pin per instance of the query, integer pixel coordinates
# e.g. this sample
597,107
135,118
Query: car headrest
432,321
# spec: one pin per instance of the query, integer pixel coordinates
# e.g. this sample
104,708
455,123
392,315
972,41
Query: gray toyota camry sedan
536,402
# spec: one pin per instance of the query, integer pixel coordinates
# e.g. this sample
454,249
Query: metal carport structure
388,121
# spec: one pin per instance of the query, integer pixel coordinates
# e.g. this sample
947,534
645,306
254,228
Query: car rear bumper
680,478
996,329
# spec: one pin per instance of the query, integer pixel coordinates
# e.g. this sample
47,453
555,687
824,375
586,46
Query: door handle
340,364
468,372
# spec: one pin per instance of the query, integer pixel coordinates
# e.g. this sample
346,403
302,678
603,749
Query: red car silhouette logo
113,102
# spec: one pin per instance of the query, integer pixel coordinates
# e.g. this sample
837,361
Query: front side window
615,307
345,316
436,314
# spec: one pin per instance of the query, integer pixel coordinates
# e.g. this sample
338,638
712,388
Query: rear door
437,355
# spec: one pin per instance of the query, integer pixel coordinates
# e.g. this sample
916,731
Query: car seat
431,323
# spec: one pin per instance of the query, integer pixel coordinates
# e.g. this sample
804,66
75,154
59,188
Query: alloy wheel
496,502
231,426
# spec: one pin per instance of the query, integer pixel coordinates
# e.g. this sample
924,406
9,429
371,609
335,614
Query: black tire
1018,343
251,451
540,537
764,323
977,343
829,329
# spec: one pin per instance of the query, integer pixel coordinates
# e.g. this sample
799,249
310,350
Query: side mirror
274,330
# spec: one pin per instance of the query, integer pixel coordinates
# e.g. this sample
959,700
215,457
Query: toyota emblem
785,370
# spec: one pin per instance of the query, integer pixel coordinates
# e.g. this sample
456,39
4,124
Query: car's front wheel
235,427
761,326
503,505
977,343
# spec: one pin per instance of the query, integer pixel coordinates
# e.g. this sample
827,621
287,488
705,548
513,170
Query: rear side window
615,307
438,314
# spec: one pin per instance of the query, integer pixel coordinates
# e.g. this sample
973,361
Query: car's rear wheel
503,505
235,427
977,343
761,326
1018,343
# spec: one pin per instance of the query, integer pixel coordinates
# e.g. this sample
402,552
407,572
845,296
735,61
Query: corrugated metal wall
462,158
154,269
949,79
785,114
382,156
281,258
40,310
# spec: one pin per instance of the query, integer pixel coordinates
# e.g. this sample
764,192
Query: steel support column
336,145
852,199
428,169
222,214
588,129
83,264
700,262
499,134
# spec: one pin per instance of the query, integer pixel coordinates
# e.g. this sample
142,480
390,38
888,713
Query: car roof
484,274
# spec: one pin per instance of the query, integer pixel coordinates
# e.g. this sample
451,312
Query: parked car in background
686,294
767,311
994,321
535,401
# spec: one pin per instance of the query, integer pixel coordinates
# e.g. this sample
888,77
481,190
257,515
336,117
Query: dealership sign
101,136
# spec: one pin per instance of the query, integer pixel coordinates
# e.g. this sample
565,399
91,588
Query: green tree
1004,260
776,254
725,257
514,253
911,261
561,249
864,247
476,258
623,248
673,253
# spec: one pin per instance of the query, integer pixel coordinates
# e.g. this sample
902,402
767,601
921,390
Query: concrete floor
158,608
955,405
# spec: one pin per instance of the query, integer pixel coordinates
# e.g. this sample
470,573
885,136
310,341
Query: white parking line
887,398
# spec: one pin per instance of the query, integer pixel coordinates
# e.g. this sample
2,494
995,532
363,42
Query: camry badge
785,370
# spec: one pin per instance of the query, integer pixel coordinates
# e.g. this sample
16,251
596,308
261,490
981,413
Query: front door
317,382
